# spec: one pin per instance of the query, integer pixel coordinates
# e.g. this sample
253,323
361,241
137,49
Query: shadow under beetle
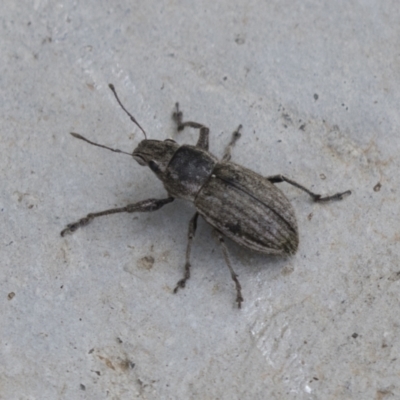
237,202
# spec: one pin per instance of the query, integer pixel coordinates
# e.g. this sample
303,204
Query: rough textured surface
92,316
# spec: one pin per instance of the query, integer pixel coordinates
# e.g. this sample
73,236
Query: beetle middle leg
141,206
220,238
235,137
314,196
202,141
191,233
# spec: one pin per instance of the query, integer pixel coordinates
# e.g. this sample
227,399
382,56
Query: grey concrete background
92,316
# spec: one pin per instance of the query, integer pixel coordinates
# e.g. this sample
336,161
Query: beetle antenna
111,86
78,136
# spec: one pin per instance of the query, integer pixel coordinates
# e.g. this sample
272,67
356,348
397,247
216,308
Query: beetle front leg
141,206
202,142
220,238
191,233
314,196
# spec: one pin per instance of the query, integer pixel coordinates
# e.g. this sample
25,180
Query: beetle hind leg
220,238
314,196
191,233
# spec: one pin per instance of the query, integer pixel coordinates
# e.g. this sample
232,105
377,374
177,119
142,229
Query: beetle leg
314,196
141,206
191,233
235,136
202,142
239,298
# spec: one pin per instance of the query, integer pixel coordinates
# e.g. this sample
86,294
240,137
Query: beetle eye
169,140
140,160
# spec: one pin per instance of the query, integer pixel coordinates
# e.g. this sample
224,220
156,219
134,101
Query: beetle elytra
237,202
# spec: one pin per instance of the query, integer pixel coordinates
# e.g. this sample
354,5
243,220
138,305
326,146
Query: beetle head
155,154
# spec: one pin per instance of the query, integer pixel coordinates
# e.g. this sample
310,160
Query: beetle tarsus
71,228
239,300
177,117
182,283
337,196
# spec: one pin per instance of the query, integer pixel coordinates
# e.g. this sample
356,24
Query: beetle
237,202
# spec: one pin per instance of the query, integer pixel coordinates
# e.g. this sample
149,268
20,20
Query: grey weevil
238,203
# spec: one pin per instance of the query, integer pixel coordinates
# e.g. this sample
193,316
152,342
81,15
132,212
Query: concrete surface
92,315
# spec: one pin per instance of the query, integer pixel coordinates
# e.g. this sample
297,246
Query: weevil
237,202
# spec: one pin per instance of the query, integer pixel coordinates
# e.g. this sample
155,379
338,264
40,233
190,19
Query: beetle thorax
189,169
